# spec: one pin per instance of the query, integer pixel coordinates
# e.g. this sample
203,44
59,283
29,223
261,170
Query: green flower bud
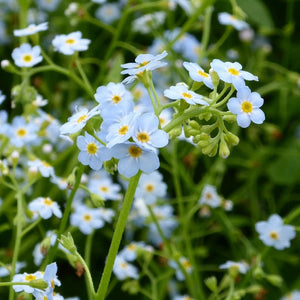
71,179
229,118
231,139
214,77
258,273
132,287
211,283
68,243
196,85
97,200
175,132
45,245
203,138
233,271
274,279
210,150
110,166
7,66
223,150
194,124
38,284
205,116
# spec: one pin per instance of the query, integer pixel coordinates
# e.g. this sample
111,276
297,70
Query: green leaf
257,12
286,170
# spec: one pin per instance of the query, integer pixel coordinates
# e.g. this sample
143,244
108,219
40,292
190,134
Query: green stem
220,42
65,72
32,225
226,98
83,75
19,220
65,218
117,236
87,259
88,276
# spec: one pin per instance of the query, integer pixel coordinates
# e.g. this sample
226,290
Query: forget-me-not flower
27,56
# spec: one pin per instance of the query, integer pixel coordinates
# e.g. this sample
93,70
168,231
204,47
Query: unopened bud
132,287
38,284
223,150
45,245
229,118
68,243
175,132
211,283
231,138
214,77
194,124
47,148
97,200
274,279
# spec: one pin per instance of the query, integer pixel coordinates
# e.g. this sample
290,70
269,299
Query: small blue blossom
2,97
133,158
108,13
198,74
232,73
181,91
146,133
92,153
242,267
122,269
228,19
27,56
247,107
274,233
45,207
31,29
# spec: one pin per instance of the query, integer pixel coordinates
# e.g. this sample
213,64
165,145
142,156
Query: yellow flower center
162,121
81,119
203,74
123,265
187,95
134,151
273,235
104,189
208,196
247,107
143,63
27,58
92,148
45,164
123,130
30,277
143,137
149,188
21,132
48,201
233,71
87,217
186,264
70,41
116,99
132,247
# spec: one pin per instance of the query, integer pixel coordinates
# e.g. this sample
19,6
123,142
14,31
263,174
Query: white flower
228,19
242,267
122,269
209,196
274,233
294,295
247,107
45,168
45,207
31,29
198,74
70,43
108,13
180,91
232,73
26,277
27,56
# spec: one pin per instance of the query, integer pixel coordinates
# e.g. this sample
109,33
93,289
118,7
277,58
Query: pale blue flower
198,74
27,56
294,295
143,62
122,269
274,233
22,133
45,207
86,219
242,266
105,188
48,5
181,91
151,187
26,277
108,13
247,107
228,19
133,158
70,43
92,153
185,264
112,95
44,168
146,133
209,196
232,73
31,29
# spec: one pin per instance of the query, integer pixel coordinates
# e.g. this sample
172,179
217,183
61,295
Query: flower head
198,74
45,207
27,56
232,73
242,267
209,196
122,269
181,91
274,233
31,29
68,44
247,107
228,19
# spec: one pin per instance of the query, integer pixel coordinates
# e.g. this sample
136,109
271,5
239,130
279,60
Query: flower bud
229,118
175,132
68,243
274,279
97,200
45,245
211,283
214,77
194,124
7,66
223,150
132,287
231,139
38,284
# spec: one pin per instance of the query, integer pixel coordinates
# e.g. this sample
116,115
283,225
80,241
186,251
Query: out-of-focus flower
228,19
27,56
31,29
